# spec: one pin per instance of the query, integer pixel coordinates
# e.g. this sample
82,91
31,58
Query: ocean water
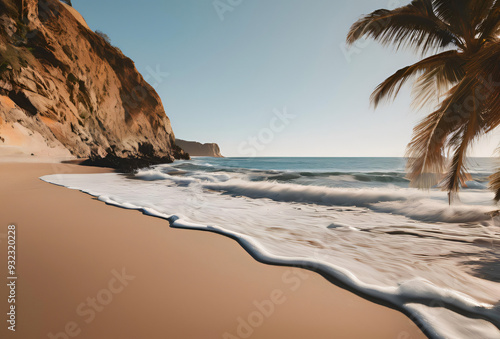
355,220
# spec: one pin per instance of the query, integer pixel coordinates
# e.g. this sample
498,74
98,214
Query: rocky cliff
198,149
65,90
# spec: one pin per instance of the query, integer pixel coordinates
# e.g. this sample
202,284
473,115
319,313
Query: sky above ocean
266,78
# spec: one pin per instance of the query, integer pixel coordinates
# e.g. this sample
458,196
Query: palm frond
414,25
458,175
494,184
473,100
456,13
426,161
428,89
473,20
442,70
489,28
435,83
480,10
485,70
426,158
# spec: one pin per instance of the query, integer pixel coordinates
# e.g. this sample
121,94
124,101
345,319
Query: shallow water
355,218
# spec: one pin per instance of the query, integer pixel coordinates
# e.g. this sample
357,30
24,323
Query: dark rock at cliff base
198,149
129,164
125,165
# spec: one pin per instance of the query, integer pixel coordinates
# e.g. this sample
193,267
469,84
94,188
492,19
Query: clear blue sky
230,68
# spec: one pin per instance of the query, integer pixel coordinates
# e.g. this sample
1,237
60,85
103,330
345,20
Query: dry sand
187,284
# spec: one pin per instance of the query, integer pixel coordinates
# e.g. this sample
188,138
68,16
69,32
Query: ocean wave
379,177
407,202
212,173
414,204
287,192
430,210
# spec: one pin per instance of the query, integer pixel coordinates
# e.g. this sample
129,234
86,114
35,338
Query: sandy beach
89,270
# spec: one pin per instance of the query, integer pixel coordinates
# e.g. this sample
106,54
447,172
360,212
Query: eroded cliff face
63,85
194,148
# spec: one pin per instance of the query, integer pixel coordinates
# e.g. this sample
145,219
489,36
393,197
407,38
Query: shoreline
210,287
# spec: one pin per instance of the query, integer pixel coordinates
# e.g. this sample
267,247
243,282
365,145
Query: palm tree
459,76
